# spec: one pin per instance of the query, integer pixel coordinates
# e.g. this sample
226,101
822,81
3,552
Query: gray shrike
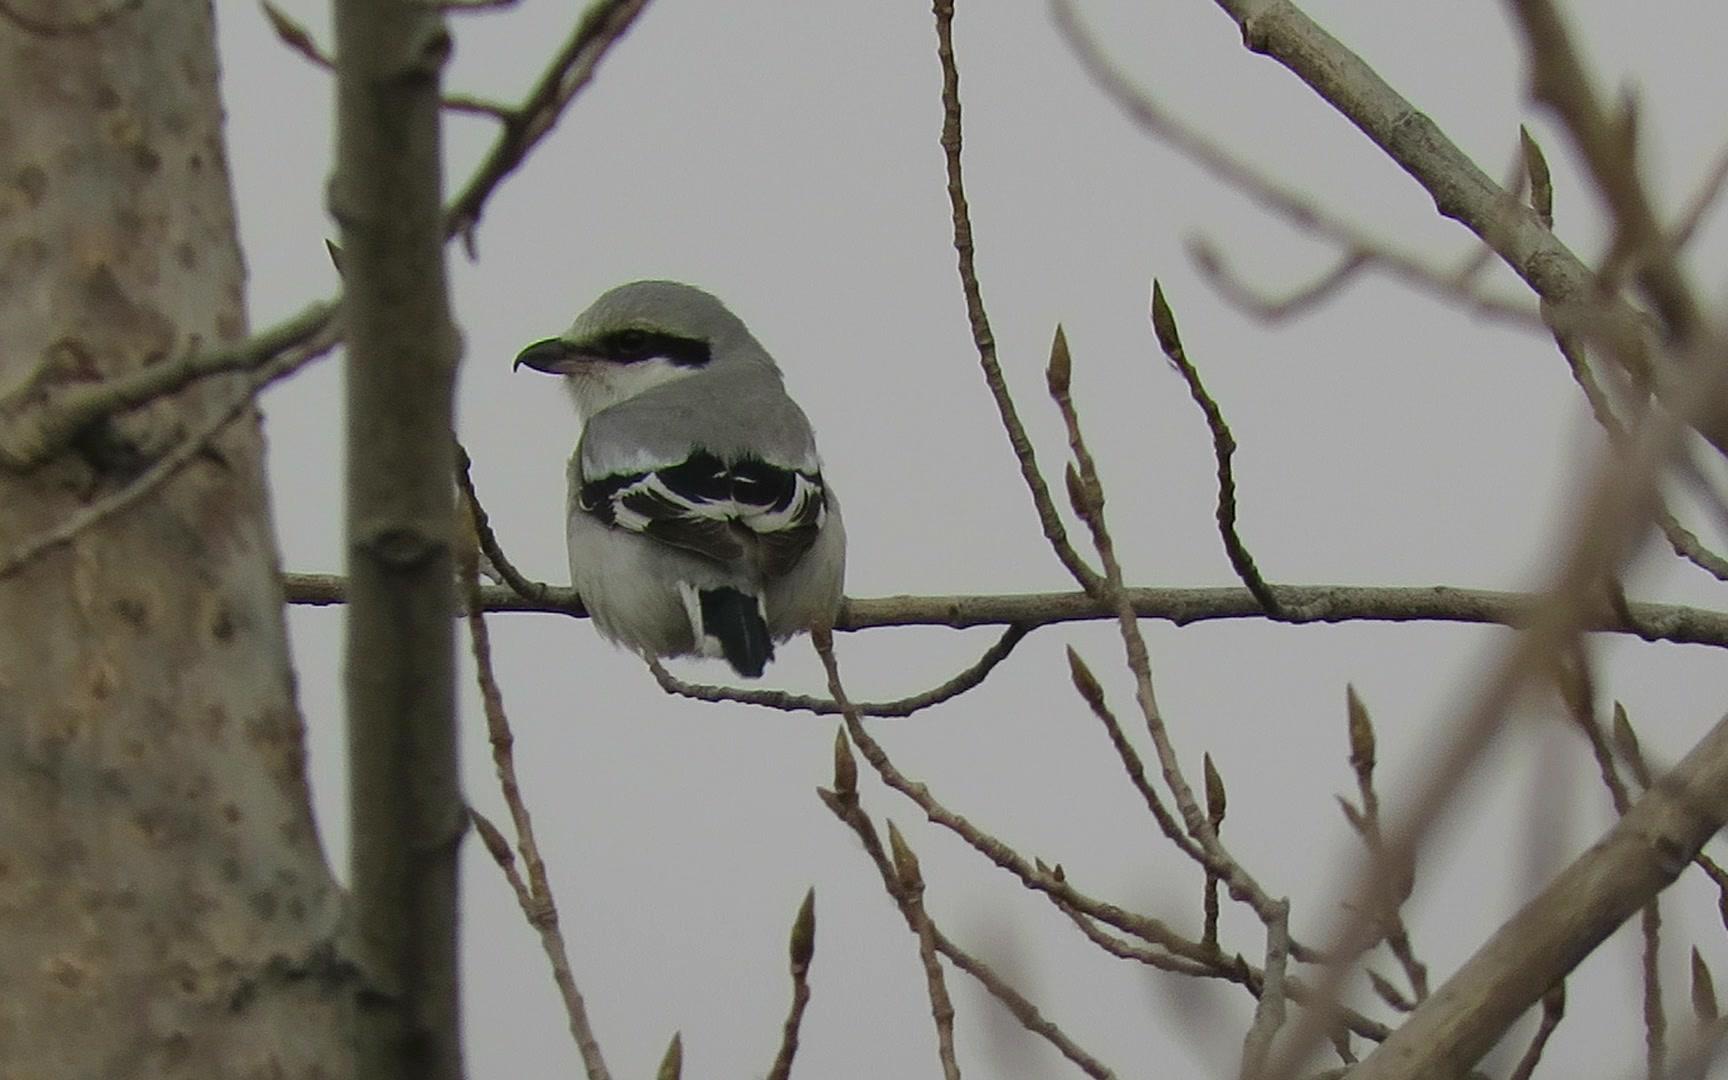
699,522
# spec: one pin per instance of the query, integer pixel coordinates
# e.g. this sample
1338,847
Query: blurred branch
1608,145
1299,604
1463,192
295,35
601,27
1684,542
1553,1011
1607,527
1702,202
1641,855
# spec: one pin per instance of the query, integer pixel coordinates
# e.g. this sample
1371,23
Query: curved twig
900,707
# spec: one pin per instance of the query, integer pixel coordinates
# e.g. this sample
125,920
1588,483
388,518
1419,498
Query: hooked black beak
552,356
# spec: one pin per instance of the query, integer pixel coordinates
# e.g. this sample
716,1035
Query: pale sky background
785,157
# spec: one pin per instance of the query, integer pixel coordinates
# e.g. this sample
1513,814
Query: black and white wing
724,510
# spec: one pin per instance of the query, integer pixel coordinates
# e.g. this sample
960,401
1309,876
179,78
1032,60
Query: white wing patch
726,511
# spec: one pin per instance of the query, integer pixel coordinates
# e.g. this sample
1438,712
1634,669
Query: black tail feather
735,619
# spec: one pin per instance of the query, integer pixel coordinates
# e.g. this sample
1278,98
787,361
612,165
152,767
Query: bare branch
1086,493
911,900
191,446
1223,449
1608,146
1655,1016
1553,1011
803,946
1638,858
965,680
982,338
33,430
1093,694
1301,604
1703,200
532,591
1269,1013
534,895
843,802
601,27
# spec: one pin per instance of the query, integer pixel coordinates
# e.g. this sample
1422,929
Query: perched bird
699,522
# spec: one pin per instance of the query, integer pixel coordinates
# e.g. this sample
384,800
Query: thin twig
299,39
1033,877
1087,685
843,802
1606,143
535,894
1273,309
34,430
1553,1011
191,446
909,896
1086,493
1269,1013
803,946
601,27
982,337
1684,542
1702,201
785,701
531,591
1223,449
911,901
1655,1016
1366,820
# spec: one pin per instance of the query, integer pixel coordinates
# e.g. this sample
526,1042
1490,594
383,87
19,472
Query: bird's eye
632,343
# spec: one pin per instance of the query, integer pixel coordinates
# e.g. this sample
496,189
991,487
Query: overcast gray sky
785,157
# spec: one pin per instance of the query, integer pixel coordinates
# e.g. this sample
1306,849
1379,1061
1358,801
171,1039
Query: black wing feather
717,509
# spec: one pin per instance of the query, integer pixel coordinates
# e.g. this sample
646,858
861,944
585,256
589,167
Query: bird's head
639,336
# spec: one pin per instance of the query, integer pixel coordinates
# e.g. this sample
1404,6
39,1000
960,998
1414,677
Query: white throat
598,384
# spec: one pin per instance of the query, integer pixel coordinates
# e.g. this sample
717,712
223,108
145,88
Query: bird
699,522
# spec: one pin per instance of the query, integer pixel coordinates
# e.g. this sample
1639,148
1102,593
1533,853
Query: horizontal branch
1298,604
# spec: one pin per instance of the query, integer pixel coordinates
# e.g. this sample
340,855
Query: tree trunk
165,907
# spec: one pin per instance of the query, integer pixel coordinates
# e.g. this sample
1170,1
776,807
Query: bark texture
165,907
407,813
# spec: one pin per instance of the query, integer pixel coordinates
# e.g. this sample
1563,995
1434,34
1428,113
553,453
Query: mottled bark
165,908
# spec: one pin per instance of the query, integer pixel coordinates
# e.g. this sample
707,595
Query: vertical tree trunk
165,908
407,813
